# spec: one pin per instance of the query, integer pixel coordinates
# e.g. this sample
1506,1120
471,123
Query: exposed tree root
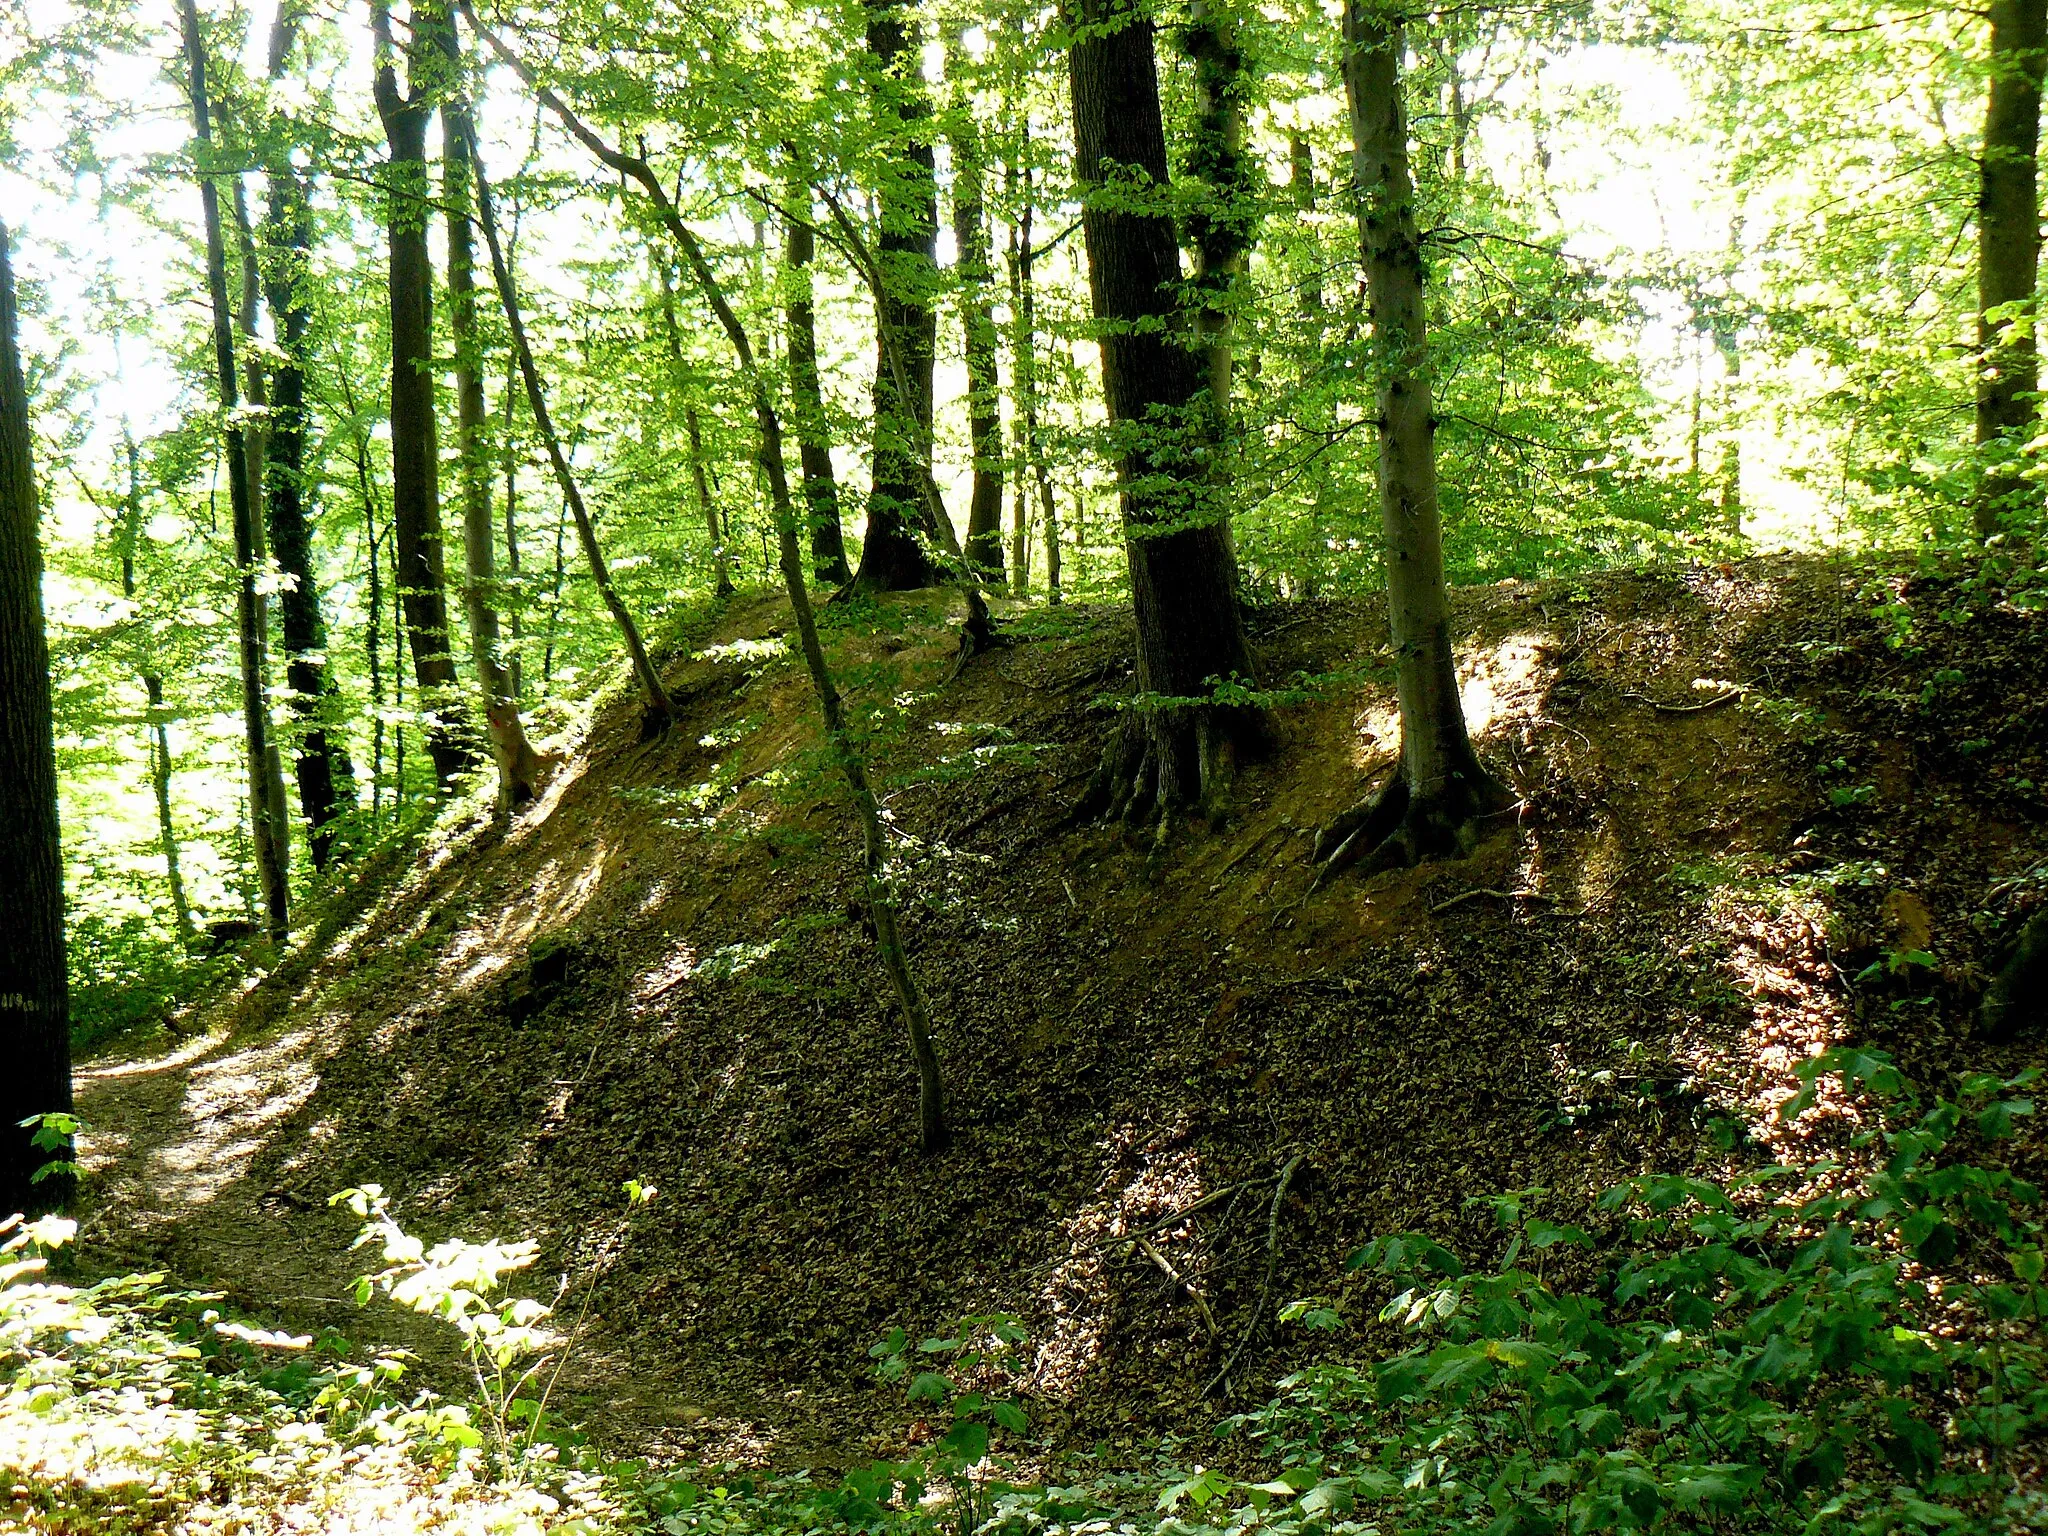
1393,829
1157,770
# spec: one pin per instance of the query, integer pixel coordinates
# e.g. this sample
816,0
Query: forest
1004,768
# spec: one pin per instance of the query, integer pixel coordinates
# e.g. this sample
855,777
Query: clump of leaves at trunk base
1857,1354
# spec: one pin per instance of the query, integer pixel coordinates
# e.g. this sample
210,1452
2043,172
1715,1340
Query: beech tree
906,199
35,1015
973,273
1180,749
1440,795
422,593
265,836
2009,257
807,402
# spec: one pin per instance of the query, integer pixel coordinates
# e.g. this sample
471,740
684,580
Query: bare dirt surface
1741,788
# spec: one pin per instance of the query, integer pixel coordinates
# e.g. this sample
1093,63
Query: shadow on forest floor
1741,788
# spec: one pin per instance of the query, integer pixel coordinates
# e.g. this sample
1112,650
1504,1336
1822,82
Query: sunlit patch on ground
229,1107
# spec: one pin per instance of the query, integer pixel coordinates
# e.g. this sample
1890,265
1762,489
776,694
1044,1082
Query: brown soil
660,972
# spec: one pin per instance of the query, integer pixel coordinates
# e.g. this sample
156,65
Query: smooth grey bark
35,1010
263,837
974,273
2008,258
1223,221
1440,793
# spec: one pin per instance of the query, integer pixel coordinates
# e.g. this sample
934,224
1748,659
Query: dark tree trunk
35,1014
972,267
264,844
415,456
658,702
326,777
1440,794
1301,182
891,557
1183,576
1024,376
807,404
2008,258
517,763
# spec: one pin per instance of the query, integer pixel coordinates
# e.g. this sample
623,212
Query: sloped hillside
1763,807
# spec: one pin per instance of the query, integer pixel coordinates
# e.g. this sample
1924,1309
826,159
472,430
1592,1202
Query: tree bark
1024,375
35,1013
807,401
1222,222
2008,259
891,558
658,701
1176,526
326,777
1440,793
158,729
415,456
254,437
517,763
974,272
264,840
721,556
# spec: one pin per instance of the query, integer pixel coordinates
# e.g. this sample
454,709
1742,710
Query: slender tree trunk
705,506
515,665
721,554
264,839
35,1012
658,701
157,728
933,1132
1301,182
973,268
1730,348
1440,791
518,764
2008,258
1183,575
422,588
326,777
891,557
1024,373
807,402
254,437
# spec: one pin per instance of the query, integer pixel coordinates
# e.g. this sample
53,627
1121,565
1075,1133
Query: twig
1487,890
1174,1275
1272,1268
1685,709
1171,1218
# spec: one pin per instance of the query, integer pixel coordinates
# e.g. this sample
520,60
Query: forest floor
1742,788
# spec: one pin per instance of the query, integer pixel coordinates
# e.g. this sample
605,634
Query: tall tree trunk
517,763
2008,258
264,839
706,508
326,777
35,1011
933,1131
1024,374
1301,182
254,437
807,401
1440,793
658,702
1221,225
908,209
1176,526
1730,347
975,272
157,727
415,457
721,555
